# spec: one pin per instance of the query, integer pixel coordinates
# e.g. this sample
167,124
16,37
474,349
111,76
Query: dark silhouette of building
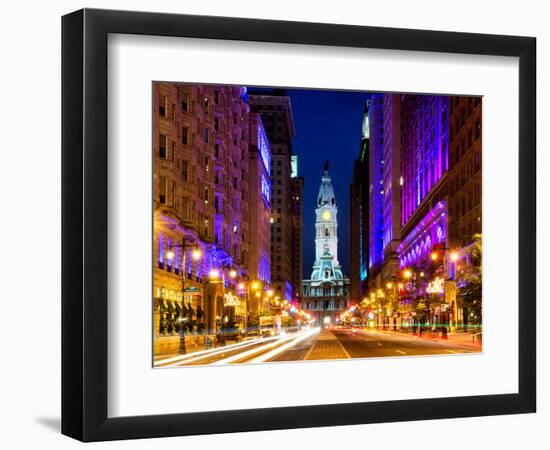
359,217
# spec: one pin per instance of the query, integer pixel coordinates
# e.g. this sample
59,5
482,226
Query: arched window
327,233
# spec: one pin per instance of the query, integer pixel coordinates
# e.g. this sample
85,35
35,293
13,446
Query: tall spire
326,191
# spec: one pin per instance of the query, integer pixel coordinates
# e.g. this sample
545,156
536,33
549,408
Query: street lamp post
391,286
453,257
170,255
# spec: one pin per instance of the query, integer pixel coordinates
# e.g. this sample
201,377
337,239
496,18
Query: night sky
328,127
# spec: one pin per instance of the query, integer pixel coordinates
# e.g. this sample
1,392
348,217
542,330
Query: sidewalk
458,339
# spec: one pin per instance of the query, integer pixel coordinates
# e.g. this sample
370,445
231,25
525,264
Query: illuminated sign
231,300
293,166
263,145
435,286
266,189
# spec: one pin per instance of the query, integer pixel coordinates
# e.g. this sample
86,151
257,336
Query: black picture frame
84,224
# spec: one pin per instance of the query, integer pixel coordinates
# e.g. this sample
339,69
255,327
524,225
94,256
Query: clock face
326,215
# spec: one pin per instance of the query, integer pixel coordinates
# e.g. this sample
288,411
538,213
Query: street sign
191,289
266,320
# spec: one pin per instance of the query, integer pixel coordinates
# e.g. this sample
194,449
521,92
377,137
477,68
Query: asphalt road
323,345
342,344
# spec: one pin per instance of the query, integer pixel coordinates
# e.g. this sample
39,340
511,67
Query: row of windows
325,305
461,206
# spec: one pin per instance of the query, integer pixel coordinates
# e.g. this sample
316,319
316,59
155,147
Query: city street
316,344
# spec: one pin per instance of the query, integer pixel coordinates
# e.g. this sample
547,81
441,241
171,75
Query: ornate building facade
211,163
326,293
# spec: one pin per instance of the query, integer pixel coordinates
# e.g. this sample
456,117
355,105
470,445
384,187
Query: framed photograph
273,225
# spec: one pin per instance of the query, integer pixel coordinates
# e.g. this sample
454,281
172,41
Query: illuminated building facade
260,197
326,293
275,110
385,199
206,145
359,217
376,186
425,162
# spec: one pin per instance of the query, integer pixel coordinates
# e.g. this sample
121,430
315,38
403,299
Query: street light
233,273
170,255
214,274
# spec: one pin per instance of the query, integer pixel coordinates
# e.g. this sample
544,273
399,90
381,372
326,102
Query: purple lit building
425,150
425,204
376,186
385,187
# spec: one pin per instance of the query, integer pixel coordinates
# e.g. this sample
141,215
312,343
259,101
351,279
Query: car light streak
210,352
269,355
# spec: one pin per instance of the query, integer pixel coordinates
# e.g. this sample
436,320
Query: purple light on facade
425,148
266,190
177,257
430,231
288,291
264,272
161,249
263,145
376,191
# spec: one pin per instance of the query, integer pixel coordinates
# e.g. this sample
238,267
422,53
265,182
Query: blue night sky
328,127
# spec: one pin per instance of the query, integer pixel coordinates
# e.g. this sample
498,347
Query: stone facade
205,142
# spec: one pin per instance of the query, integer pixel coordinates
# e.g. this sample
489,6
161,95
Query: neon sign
263,145
435,286
266,189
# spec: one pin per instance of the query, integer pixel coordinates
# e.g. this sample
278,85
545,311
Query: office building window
162,105
162,146
162,190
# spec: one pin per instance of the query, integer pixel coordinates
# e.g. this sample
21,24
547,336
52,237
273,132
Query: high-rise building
425,200
210,156
359,217
464,193
260,213
326,293
276,111
297,193
424,213
376,186
385,200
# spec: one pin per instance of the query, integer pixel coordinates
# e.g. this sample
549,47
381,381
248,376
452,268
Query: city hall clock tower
325,295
